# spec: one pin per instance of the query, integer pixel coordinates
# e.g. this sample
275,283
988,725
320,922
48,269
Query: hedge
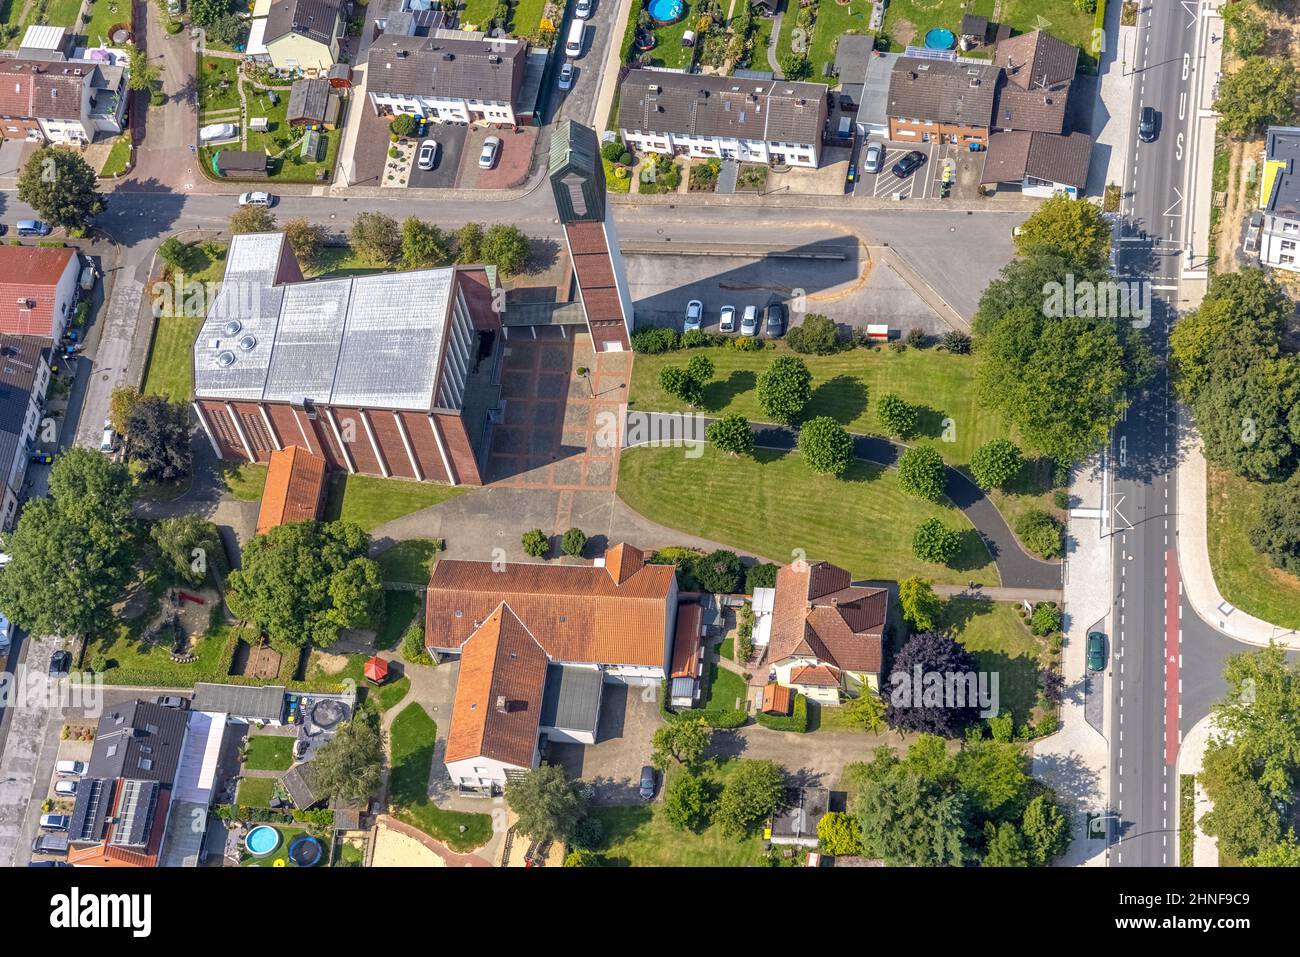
719,719
797,721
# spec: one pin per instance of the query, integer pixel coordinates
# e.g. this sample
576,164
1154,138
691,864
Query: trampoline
305,851
666,11
328,712
262,840
940,39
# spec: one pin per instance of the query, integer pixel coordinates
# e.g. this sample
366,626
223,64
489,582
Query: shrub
157,98
747,344
784,388
731,434
413,649
898,346
921,473
838,834
403,125
1061,499
720,571
935,542
995,463
1040,533
917,339
796,721
613,151
760,576
956,342
573,542
825,446
817,334
695,338
535,543
1046,619
654,340
896,417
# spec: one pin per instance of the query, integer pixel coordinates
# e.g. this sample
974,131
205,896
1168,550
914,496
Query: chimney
503,706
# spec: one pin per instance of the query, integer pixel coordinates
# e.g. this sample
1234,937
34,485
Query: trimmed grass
171,366
668,50
1246,578
845,386
244,481
118,156
1001,644
102,17
389,694
288,834
1057,17
411,740
121,647
268,752
641,836
371,501
209,73
255,792
1186,820
399,610
773,504
727,691
833,21
727,648
477,13
526,16
409,561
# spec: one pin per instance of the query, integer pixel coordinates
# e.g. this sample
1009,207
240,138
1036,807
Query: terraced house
62,101
448,79
753,121
297,35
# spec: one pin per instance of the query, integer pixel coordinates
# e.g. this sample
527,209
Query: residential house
795,822
392,374
826,633
686,687
946,100
536,644
1041,163
62,101
38,290
24,377
297,35
1279,199
728,117
294,490
448,78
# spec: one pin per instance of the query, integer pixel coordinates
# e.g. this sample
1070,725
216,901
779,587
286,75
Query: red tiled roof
686,641
295,484
577,613
29,279
44,89
816,612
815,676
777,699
499,693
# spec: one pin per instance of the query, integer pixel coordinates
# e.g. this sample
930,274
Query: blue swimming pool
666,11
262,840
940,39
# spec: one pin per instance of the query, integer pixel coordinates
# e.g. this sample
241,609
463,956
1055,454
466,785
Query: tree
573,542
1075,228
1046,830
794,66
995,463
935,542
837,834
1283,854
825,446
1046,618
140,73
1040,533
349,767
403,124
228,30
252,219
307,240
684,741
1260,94
929,707
686,802
1247,417
469,244
423,245
994,776
505,247
207,12
548,805
188,545
896,417
1260,715
1004,846
74,551
921,473
906,819
120,404
680,384
1244,819
921,606
720,572
158,439
60,186
303,582
1276,532
700,368
750,795
817,334
581,857
1247,30
535,543
784,388
377,237
866,711
731,434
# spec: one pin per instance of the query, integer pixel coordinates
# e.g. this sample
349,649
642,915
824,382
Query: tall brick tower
578,182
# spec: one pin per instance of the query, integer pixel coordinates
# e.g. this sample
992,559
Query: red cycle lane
1173,653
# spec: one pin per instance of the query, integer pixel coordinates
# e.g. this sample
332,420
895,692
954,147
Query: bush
654,340
157,98
838,834
573,542
1040,533
784,388
403,125
747,344
956,342
720,572
935,542
817,335
731,434
921,473
613,151
1061,499
413,649
1046,619
995,463
917,339
535,543
796,721
695,338
588,834
896,417
825,446
760,576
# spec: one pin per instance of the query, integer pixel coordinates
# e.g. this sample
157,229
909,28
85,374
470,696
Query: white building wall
1279,244
481,772
747,151
444,109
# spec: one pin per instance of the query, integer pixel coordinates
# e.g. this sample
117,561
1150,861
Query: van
56,844
32,227
87,280
572,46
71,768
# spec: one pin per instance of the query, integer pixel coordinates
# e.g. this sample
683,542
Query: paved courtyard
612,766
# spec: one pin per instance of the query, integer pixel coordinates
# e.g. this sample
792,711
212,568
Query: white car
428,154
6,632
727,319
66,789
174,8
256,198
108,443
487,157
694,315
749,321
566,76
73,769
582,9
217,131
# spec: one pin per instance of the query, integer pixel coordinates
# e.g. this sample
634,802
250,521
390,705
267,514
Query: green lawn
1060,18
409,561
833,21
526,16
118,156
411,741
371,501
255,792
727,691
477,13
268,752
1246,578
104,14
243,480
1001,644
127,655
845,386
288,834
171,360
727,648
211,71
641,836
399,609
388,695
773,504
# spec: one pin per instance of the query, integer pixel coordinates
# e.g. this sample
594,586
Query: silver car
566,76
428,157
487,157
874,158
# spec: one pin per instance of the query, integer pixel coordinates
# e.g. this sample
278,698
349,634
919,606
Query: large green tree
60,186
752,792
188,545
349,766
784,388
995,463
731,434
1248,419
921,606
1076,228
921,473
1258,94
158,439
825,446
684,741
424,245
549,806
1276,531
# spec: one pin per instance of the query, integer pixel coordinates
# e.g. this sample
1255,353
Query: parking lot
925,182
451,145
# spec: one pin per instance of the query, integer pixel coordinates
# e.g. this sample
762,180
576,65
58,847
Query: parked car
487,157
60,662
775,322
1149,125
108,441
48,864
582,9
173,8
727,319
6,633
55,822
647,788
874,158
51,843
256,197
70,768
170,701
749,321
694,315
1096,651
33,227
217,131
428,154
66,788
909,164
566,75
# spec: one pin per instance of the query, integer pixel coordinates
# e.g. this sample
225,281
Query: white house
446,78
754,121
1279,198
24,377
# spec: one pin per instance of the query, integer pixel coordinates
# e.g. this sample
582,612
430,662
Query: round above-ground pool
305,851
666,11
262,840
940,39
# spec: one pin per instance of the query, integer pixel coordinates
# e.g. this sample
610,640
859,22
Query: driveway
514,157
629,716
451,143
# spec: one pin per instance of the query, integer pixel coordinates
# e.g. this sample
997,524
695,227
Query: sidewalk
1194,556
609,74
1199,171
1076,760
1205,851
